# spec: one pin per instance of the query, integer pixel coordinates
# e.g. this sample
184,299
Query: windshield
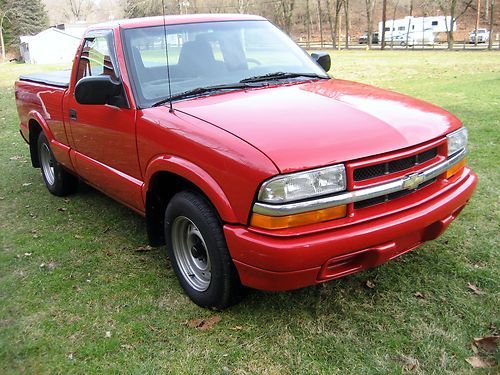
209,54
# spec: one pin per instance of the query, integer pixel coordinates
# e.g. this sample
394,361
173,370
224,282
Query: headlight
457,141
303,185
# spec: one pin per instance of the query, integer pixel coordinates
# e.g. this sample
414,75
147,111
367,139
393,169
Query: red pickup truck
247,160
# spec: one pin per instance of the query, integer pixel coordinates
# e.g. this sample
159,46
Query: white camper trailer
415,30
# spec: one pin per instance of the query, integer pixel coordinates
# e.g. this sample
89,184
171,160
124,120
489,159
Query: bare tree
347,23
456,9
492,24
308,23
370,6
284,10
243,6
78,9
384,19
478,15
3,17
320,21
333,21
393,18
409,23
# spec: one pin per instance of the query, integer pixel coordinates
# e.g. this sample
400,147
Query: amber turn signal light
297,220
457,167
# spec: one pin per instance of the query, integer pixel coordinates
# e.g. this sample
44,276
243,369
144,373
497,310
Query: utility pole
384,19
478,14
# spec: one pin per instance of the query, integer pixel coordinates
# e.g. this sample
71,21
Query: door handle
72,114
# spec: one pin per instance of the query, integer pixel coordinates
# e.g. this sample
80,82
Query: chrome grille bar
347,197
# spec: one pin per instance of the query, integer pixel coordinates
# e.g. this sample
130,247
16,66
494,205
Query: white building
52,46
416,29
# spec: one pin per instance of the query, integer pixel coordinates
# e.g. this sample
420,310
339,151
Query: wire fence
355,45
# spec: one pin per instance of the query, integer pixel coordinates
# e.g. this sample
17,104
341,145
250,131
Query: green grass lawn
76,296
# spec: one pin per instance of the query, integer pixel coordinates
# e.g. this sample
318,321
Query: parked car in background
483,36
363,39
248,161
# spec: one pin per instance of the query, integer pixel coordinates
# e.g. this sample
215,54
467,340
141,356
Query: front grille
393,166
390,197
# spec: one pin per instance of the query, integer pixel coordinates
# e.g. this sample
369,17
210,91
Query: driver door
103,136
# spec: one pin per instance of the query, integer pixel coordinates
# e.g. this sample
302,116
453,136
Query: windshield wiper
203,90
281,75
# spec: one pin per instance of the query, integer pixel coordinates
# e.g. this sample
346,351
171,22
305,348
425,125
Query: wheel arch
36,125
167,175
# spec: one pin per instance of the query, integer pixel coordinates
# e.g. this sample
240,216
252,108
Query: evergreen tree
24,18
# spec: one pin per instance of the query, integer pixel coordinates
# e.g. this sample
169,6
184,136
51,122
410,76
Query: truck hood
313,124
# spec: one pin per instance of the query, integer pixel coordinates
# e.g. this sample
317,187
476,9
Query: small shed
54,45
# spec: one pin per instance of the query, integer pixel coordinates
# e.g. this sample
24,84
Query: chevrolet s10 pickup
252,165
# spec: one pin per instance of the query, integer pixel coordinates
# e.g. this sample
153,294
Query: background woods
329,22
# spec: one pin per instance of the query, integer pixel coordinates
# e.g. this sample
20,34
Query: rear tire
58,181
197,249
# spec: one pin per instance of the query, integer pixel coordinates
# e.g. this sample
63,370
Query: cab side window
95,58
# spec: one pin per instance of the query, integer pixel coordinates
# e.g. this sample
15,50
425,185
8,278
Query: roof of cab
174,20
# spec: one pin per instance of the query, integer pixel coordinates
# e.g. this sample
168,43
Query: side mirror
323,59
97,90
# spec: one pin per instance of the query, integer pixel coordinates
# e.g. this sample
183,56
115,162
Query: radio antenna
171,108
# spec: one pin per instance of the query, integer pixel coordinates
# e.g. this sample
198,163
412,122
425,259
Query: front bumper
285,263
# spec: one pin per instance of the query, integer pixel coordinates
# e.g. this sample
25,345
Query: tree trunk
409,23
347,23
478,14
320,20
492,23
2,44
330,22
370,5
308,22
453,7
384,19
369,23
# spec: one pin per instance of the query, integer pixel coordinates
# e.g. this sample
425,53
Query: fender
34,115
60,150
197,176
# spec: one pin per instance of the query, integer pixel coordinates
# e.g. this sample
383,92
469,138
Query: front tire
58,181
197,249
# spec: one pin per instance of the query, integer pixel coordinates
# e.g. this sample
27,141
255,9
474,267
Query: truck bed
59,78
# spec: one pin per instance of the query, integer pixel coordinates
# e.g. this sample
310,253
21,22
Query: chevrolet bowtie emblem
412,181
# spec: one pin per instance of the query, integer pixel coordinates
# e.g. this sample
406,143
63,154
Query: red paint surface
228,144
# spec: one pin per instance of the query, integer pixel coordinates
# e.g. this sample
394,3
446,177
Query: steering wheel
253,61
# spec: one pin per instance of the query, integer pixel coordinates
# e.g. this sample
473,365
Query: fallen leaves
49,266
482,348
473,288
370,284
478,362
27,184
489,344
144,248
108,334
204,324
410,363
419,295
